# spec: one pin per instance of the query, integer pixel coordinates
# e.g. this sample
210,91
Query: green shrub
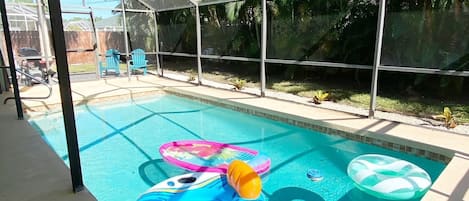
320,96
191,77
447,117
238,84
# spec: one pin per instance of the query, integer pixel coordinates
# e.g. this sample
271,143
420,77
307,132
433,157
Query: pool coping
431,152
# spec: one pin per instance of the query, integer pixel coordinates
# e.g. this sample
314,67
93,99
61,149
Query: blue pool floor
120,160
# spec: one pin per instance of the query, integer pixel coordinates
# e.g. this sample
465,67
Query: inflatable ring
388,178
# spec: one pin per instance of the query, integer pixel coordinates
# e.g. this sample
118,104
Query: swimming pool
119,148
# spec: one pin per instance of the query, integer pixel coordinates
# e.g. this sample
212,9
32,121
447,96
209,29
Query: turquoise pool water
120,159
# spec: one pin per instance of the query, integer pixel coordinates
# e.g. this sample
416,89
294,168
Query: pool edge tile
383,140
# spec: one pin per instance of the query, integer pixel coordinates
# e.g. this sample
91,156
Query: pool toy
314,175
244,180
241,183
207,156
388,178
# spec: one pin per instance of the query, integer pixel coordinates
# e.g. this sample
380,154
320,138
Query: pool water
120,160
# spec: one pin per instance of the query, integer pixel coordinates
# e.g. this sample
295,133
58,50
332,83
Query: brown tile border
316,125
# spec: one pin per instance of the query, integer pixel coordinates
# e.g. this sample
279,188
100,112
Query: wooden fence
75,40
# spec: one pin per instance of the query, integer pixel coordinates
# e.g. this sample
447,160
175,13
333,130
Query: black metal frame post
2,72
11,61
6,81
66,94
3,69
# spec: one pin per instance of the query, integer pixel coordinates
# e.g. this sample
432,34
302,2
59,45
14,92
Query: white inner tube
387,177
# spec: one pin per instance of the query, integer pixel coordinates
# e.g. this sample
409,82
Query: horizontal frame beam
76,12
217,2
176,8
150,53
317,63
80,50
123,53
39,57
325,64
70,9
177,54
230,58
424,70
65,7
128,10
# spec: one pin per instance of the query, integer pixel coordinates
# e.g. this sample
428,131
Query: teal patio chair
112,62
138,61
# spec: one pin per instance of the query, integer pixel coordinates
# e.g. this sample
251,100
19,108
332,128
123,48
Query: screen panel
135,4
79,41
177,31
164,5
141,30
181,68
230,72
424,35
331,31
423,95
344,85
230,29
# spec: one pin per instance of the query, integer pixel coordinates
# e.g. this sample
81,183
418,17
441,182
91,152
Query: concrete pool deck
453,183
30,169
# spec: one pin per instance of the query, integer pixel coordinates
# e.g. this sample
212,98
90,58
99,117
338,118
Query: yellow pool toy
244,180
241,183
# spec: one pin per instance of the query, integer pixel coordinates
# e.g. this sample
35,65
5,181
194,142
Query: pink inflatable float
207,156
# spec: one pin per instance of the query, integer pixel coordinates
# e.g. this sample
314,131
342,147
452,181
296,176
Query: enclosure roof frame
188,4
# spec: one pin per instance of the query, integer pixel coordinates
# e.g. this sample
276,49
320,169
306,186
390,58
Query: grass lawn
421,108
90,68
414,107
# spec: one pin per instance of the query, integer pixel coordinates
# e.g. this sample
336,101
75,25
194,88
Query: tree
140,27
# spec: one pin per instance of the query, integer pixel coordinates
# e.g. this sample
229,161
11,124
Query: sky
92,3
69,4
101,3
73,4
